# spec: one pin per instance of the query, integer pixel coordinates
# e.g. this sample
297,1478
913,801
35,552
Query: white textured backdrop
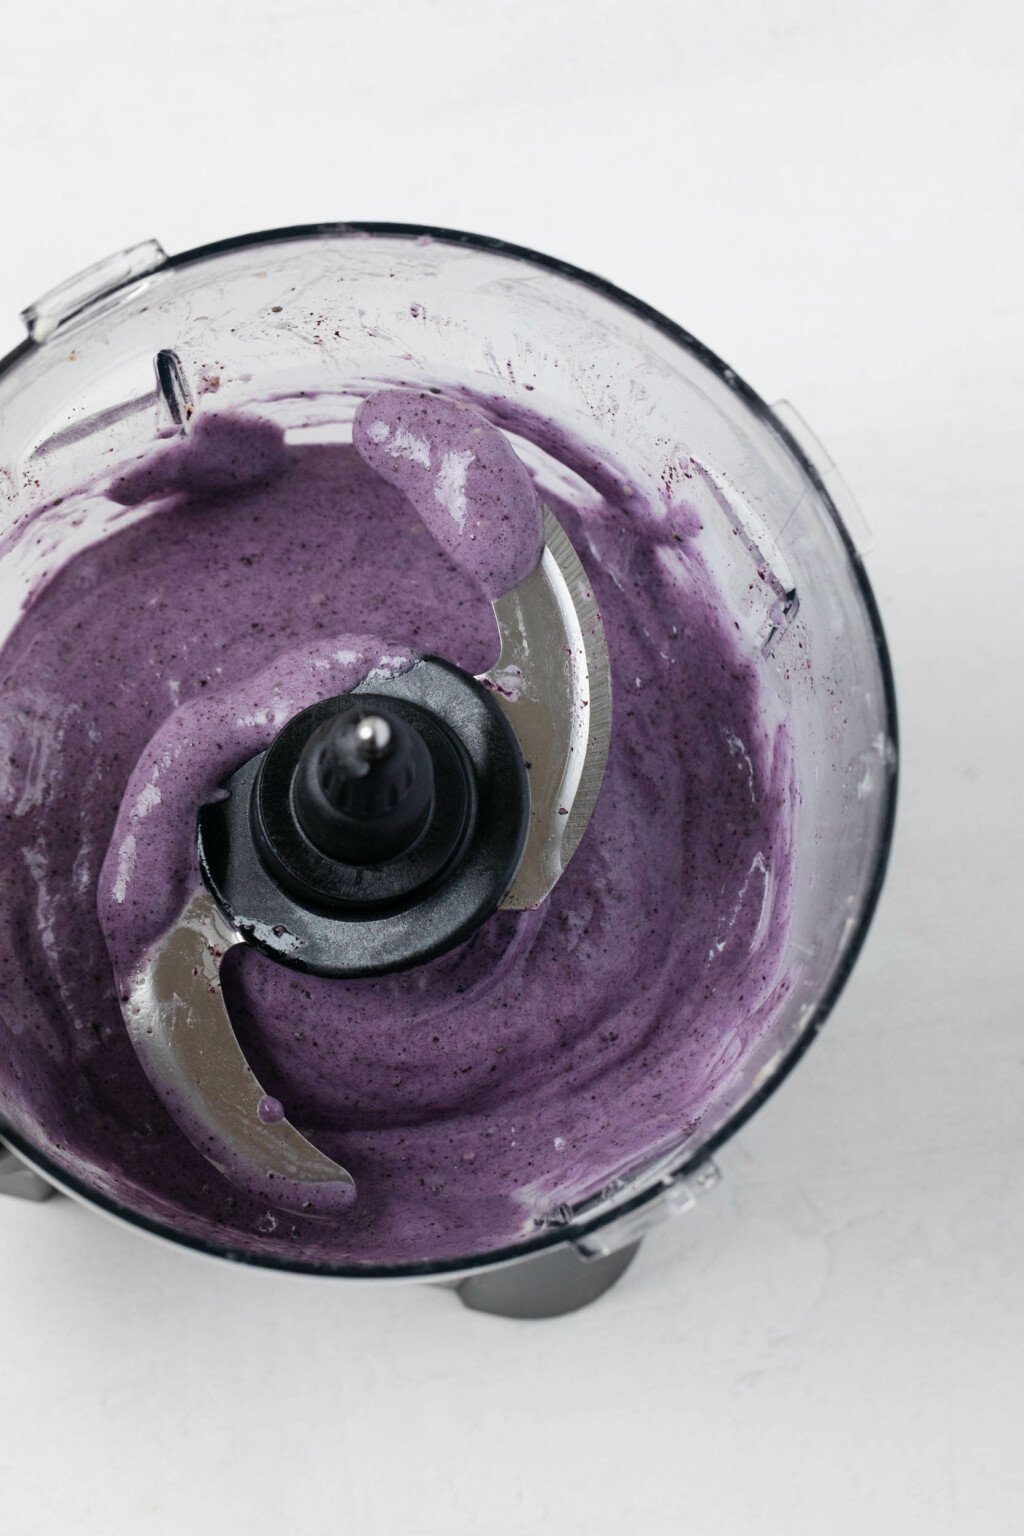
831,197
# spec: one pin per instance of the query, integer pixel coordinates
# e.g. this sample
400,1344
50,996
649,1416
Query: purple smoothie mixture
473,1097
464,478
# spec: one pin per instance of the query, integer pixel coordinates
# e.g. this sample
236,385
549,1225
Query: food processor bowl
301,324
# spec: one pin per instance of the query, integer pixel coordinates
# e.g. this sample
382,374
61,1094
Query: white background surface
830,196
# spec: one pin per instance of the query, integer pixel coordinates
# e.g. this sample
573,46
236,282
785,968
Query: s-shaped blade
553,682
182,1033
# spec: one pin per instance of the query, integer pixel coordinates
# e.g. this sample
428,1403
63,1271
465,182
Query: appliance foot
547,1285
18,1179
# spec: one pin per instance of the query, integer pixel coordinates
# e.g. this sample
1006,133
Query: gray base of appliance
17,1179
548,1285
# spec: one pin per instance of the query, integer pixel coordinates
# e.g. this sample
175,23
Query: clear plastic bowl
305,321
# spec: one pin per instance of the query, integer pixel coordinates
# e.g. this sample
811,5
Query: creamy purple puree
463,477
472,1097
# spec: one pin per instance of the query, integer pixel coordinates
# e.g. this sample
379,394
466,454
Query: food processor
388,815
